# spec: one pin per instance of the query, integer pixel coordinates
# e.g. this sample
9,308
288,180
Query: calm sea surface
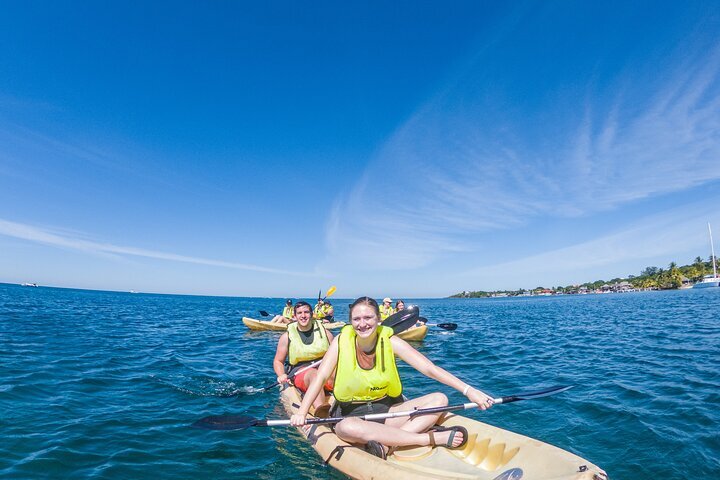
104,385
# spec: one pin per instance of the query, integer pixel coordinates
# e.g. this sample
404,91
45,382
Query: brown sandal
449,442
376,448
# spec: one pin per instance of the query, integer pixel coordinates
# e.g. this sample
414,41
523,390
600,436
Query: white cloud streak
454,172
58,239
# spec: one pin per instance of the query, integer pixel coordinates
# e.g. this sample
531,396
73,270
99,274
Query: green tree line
655,278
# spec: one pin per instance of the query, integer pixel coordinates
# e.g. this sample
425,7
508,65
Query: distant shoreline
651,278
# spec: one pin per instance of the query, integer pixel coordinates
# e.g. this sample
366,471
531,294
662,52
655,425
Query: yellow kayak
414,334
263,325
491,453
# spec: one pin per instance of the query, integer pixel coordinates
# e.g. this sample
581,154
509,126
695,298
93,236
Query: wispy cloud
70,240
461,167
658,236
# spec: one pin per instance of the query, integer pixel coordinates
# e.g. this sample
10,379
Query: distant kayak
262,325
491,453
414,334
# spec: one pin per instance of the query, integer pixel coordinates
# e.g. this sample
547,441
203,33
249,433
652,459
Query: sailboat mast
712,250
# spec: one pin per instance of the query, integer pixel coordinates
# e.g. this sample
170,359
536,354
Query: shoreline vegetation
651,278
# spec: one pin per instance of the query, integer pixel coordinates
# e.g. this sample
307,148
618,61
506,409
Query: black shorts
383,405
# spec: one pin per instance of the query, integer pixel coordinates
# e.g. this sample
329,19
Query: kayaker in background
367,381
399,306
305,341
287,315
324,311
386,309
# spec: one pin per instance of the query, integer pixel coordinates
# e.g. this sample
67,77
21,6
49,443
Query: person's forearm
279,368
443,376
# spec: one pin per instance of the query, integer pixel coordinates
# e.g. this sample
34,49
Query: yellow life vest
288,312
385,312
319,311
299,352
355,384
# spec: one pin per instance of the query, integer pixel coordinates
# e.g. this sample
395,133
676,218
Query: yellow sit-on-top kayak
414,334
491,453
262,325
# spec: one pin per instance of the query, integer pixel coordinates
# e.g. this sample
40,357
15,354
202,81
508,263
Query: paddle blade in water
264,313
447,326
534,395
226,422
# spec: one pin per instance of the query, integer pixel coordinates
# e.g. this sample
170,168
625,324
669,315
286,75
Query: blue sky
406,149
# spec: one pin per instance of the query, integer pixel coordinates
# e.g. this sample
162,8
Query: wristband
467,387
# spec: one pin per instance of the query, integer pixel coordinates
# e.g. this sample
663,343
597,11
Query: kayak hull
414,334
490,454
263,325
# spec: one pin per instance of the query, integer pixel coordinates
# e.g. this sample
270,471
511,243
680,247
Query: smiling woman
367,381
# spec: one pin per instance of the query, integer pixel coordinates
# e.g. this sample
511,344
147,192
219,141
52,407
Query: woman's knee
438,399
350,429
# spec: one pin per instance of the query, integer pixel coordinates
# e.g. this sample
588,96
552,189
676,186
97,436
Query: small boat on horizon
28,284
710,280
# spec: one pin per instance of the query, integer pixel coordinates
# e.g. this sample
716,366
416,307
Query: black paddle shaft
241,422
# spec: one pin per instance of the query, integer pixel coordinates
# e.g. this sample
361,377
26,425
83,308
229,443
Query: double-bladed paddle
241,422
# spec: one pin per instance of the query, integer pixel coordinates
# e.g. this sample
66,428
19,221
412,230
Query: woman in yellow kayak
367,381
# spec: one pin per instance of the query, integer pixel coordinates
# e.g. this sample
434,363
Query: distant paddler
367,381
287,314
305,341
386,309
324,311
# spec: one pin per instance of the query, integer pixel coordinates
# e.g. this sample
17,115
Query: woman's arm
324,371
280,355
423,365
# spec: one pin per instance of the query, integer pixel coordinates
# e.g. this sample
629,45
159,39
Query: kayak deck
264,325
490,454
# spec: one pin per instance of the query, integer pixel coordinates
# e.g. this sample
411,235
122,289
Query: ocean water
105,385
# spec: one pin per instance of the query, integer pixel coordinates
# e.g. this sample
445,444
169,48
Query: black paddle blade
537,394
227,422
403,319
264,313
448,326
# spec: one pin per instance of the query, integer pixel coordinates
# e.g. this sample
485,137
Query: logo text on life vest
378,388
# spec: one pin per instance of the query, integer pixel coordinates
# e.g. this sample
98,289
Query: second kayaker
305,341
386,309
324,311
367,381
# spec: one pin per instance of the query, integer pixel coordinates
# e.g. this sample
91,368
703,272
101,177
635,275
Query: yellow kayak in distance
491,453
265,325
414,334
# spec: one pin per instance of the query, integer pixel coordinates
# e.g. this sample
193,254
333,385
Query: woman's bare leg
420,423
399,432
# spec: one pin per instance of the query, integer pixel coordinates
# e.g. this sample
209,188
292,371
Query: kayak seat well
477,453
483,455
